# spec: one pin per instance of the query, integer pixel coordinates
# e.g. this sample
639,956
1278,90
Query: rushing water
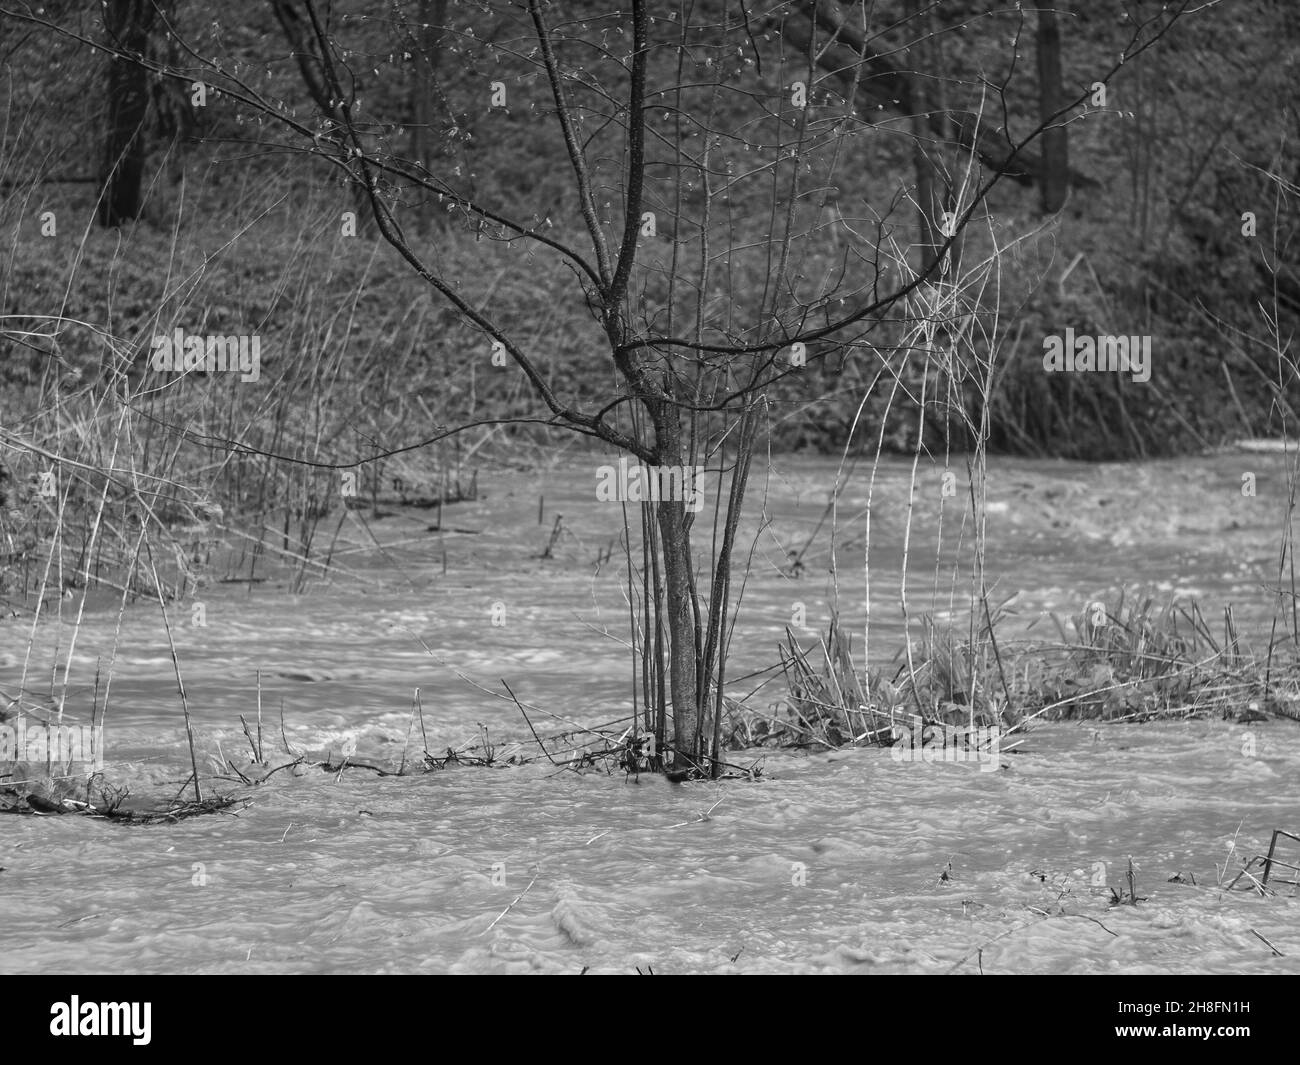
834,861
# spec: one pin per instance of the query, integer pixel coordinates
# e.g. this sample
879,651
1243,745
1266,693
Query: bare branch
576,157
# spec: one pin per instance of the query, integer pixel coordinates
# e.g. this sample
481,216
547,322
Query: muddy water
834,861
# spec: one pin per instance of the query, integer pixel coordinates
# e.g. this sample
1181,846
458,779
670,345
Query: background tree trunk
127,24
1054,179
882,83
932,191
431,16
427,33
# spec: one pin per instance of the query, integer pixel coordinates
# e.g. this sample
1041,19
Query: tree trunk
674,532
127,24
928,207
917,103
1055,177
882,83
675,547
431,18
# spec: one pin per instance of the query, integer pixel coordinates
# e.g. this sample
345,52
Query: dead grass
1134,659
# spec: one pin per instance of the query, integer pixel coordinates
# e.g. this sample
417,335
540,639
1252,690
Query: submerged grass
1130,660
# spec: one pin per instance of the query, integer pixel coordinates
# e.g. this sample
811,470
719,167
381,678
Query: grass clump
1132,659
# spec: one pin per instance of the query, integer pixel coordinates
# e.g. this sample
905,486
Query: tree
703,309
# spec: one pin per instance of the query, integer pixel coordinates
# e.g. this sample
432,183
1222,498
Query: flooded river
835,861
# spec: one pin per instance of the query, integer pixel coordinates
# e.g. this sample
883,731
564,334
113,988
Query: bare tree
672,130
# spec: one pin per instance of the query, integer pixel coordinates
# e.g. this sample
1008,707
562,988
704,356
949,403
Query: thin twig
529,723
512,905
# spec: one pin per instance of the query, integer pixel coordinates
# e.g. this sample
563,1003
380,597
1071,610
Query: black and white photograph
651,487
